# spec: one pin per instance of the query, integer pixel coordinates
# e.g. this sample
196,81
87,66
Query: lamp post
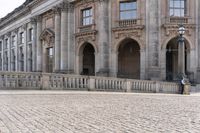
181,51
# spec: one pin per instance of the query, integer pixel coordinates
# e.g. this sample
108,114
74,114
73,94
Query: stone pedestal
186,89
154,73
198,76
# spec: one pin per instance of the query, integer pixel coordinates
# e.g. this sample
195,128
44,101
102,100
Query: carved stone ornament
128,32
48,36
56,9
86,36
173,29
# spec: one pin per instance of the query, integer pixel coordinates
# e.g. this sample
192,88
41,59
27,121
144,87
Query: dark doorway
129,59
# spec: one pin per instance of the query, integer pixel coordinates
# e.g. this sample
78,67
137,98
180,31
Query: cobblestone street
97,112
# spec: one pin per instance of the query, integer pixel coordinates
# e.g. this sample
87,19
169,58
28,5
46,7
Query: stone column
9,51
34,26
103,38
181,57
142,64
64,37
16,49
198,44
39,44
2,52
25,48
71,40
57,39
44,60
153,38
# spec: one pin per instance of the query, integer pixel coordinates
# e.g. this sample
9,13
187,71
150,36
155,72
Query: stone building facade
118,38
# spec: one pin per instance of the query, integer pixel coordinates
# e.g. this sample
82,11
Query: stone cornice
18,12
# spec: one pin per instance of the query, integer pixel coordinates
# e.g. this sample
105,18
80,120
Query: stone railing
46,81
177,20
129,22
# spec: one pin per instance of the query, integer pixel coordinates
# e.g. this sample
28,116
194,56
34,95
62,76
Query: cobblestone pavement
97,112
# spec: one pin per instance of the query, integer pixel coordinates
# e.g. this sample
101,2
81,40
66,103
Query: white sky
7,6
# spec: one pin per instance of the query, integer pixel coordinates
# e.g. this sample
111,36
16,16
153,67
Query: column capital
64,6
37,18
33,20
16,31
2,37
57,9
67,6
8,34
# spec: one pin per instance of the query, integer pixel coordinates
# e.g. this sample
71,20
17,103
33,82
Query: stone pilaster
39,44
64,37
103,38
24,27
34,26
71,39
9,51
2,55
57,12
198,69
16,32
153,38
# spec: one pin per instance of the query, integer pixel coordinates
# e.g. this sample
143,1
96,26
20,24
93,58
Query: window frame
90,17
174,7
128,10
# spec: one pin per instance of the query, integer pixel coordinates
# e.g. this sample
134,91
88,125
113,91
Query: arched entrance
129,59
172,59
88,60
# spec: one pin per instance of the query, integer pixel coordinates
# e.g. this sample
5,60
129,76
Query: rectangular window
0,62
22,38
30,60
30,38
87,16
6,61
177,8
21,58
13,60
128,10
6,44
13,41
0,45
50,59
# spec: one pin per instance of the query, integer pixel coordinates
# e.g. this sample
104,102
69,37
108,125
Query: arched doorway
88,60
129,59
172,59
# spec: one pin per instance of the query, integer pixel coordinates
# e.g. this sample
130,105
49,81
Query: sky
8,6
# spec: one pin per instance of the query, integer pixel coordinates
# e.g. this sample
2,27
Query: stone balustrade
47,81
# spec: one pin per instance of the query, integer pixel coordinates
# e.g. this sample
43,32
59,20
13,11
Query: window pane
177,8
128,15
87,16
128,10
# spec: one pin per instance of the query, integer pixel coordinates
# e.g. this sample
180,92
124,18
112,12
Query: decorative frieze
86,36
173,29
128,32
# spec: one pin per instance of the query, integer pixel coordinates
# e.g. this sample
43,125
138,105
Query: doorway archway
87,59
129,59
172,59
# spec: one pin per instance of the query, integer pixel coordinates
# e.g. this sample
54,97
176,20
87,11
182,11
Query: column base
103,73
66,71
154,74
198,75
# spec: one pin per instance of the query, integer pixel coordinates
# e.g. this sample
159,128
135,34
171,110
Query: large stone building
117,38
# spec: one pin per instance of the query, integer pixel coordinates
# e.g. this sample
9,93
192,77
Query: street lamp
181,51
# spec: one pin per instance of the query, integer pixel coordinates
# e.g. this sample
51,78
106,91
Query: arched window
177,8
